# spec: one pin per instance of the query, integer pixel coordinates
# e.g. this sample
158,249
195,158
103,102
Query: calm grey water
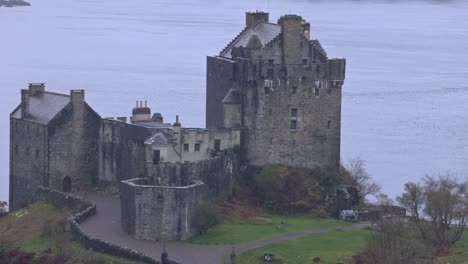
405,99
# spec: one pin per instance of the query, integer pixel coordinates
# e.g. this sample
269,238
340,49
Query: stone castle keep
272,97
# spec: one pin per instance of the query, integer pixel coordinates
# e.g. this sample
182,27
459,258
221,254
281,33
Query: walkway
105,225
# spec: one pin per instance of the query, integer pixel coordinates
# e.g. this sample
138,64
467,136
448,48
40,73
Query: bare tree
413,200
446,207
357,169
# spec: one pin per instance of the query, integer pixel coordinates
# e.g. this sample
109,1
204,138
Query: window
270,111
267,90
270,74
217,144
304,62
293,124
294,90
328,124
186,147
156,156
271,140
16,149
37,153
27,152
271,62
294,112
197,147
37,132
316,91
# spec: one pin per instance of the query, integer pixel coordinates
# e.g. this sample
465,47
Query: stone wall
78,234
73,145
121,151
28,161
219,77
216,173
161,213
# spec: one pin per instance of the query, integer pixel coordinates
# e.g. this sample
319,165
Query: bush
206,217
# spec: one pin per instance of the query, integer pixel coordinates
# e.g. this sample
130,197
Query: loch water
405,98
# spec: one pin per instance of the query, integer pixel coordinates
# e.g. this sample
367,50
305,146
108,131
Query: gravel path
105,224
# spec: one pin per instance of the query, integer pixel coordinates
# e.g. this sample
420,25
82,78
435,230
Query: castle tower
289,93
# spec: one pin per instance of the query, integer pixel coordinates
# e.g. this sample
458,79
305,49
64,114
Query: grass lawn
42,226
331,247
256,228
458,254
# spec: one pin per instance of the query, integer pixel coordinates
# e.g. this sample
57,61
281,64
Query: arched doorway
67,184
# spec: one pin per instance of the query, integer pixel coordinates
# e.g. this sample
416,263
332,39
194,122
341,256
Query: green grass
26,229
331,247
459,253
241,231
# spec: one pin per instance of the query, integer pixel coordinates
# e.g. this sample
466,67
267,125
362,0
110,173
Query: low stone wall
78,233
160,213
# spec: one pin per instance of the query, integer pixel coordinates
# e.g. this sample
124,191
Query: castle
272,97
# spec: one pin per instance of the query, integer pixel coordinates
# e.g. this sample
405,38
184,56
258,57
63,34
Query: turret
292,36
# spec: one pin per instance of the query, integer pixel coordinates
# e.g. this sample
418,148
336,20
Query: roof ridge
55,93
234,39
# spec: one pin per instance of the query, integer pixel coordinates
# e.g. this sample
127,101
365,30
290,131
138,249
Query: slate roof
159,138
265,32
152,124
43,107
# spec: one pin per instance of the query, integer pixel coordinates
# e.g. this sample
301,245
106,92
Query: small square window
304,62
293,124
294,112
271,62
270,74
197,147
217,144
186,147
294,90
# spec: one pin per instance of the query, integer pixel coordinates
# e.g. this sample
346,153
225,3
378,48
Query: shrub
206,216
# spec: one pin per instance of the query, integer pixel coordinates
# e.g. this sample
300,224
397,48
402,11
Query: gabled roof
43,107
265,32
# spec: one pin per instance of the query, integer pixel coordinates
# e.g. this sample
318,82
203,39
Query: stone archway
67,184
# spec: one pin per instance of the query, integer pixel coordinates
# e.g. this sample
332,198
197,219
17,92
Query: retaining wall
80,235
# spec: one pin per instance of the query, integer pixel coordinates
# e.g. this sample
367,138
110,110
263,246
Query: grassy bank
330,247
260,227
42,229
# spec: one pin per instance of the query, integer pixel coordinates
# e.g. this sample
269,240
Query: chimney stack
36,88
77,96
140,113
25,97
292,36
254,18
